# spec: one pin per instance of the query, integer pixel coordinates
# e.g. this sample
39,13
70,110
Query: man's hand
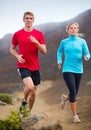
33,39
20,59
41,47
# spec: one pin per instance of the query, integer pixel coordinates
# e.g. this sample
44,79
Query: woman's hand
59,66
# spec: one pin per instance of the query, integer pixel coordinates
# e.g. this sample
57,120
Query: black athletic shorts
35,75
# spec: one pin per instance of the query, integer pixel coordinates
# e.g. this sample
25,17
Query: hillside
48,103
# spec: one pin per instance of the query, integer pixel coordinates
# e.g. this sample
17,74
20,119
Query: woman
74,49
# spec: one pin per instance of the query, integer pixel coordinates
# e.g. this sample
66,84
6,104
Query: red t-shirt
28,49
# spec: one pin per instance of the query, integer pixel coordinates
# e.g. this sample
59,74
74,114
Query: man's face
28,20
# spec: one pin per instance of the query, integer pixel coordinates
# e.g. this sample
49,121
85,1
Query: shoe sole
62,100
77,121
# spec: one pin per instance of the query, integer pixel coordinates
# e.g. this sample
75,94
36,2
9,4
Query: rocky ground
48,102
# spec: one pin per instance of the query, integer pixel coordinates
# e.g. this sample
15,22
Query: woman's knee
72,97
72,100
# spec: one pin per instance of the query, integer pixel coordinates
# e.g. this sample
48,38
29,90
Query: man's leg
32,98
29,91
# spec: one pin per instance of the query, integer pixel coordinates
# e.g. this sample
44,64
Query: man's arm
41,47
14,53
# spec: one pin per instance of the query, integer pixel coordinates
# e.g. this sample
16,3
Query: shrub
6,98
13,122
2,125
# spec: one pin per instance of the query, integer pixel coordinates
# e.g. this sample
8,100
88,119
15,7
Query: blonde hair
68,26
28,13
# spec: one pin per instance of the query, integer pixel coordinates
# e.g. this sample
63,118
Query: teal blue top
74,49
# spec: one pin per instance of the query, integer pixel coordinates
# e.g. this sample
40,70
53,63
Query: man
29,42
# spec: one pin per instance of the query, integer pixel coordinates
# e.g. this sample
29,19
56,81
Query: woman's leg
69,79
71,82
74,107
77,81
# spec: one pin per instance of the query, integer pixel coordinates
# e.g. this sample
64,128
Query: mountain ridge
54,33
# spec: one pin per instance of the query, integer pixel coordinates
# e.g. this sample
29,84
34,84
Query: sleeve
14,40
86,51
60,53
42,39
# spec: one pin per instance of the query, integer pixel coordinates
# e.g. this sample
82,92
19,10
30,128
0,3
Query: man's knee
33,92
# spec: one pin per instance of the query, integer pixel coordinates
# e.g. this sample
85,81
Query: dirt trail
48,102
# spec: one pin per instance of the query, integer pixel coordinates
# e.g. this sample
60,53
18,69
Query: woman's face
73,29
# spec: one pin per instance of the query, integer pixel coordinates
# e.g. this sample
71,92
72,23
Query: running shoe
76,119
24,109
63,101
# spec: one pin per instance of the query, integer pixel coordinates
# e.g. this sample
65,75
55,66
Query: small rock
3,103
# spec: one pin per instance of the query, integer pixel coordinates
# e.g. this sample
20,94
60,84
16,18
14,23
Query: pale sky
45,11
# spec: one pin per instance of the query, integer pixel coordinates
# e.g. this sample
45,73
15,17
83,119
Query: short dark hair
29,13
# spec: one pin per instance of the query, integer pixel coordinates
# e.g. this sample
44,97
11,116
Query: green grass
6,98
